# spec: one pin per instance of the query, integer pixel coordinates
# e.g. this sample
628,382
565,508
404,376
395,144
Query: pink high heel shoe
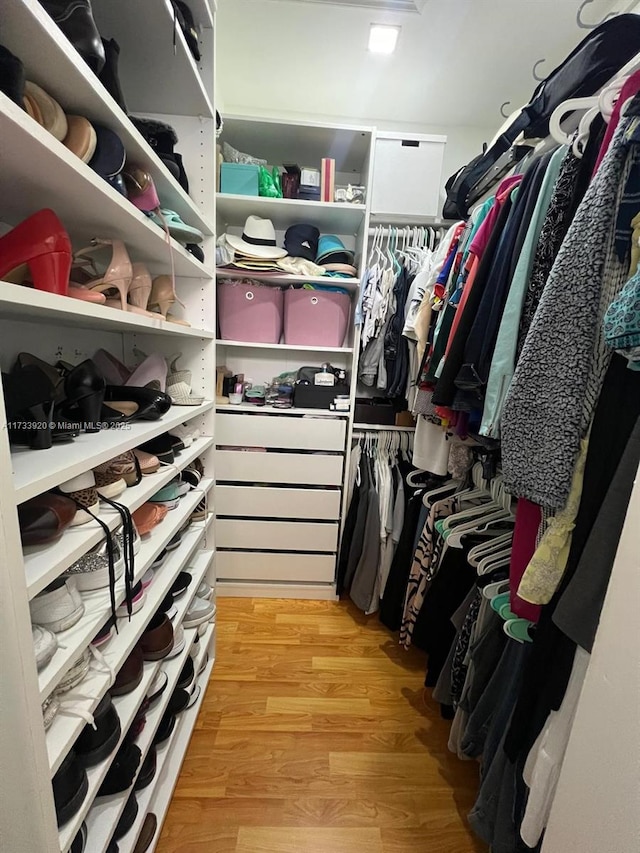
139,291
116,278
162,298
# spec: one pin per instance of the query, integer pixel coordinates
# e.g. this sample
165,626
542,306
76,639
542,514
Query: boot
75,19
109,74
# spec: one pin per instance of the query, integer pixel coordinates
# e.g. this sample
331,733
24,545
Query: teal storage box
239,178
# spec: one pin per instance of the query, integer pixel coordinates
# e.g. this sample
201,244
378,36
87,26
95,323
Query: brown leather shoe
130,673
147,833
157,640
44,518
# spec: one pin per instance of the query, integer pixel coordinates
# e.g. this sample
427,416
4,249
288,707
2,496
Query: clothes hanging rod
380,428
386,230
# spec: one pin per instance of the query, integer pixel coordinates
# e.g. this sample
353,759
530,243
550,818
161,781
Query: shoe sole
129,687
172,547
113,490
131,479
73,806
165,737
194,696
175,650
170,504
82,517
65,622
102,640
136,606
160,691
197,620
158,654
90,759
203,665
88,581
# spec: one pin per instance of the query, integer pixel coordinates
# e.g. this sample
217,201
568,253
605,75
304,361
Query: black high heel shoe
28,400
132,403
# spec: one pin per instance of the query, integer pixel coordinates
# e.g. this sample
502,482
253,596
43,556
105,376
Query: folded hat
301,241
258,239
332,250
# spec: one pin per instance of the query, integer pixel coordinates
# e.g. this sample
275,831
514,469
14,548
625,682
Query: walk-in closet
320,371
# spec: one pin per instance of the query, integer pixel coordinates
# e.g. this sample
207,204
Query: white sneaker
45,645
58,607
136,539
77,672
91,571
178,642
195,648
203,665
200,610
204,591
186,433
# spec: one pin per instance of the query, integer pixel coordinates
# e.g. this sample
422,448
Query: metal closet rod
385,231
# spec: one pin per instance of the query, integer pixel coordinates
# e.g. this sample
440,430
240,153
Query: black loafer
162,447
181,584
147,771
122,771
94,745
70,786
80,841
127,818
165,729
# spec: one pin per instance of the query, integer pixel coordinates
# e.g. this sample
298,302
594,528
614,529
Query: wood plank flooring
315,737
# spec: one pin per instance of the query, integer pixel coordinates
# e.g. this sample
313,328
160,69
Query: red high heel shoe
41,246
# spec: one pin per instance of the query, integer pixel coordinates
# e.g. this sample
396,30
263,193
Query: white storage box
407,174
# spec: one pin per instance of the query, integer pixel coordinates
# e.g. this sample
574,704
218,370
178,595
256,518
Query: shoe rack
163,81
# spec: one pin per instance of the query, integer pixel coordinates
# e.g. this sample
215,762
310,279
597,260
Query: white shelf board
281,279
382,428
269,410
29,305
155,77
126,707
400,219
66,728
282,347
87,205
157,797
44,563
35,471
97,603
33,36
105,814
329,217
304,143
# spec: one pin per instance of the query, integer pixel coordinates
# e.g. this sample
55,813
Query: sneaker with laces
137,601
136,539
58,607
200,610
45,645
91,571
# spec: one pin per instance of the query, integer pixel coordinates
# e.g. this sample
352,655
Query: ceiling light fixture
383,38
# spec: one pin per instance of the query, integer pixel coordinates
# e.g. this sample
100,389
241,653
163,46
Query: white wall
597,803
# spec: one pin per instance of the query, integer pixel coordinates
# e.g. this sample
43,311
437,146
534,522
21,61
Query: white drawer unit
276,535
287,433
266,502
282,567
304,469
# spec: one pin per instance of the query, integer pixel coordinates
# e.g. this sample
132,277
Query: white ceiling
455,65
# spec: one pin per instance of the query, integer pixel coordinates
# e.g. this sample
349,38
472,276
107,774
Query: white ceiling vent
413,6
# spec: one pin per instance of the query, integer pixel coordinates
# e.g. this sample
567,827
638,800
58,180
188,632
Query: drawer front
249,430
295,468
276,535
265,502
305,568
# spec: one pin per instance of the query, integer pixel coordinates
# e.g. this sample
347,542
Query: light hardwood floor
315,737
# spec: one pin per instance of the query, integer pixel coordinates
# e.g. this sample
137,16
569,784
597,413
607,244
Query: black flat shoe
75,19
162,447
96,744
70,785
11,76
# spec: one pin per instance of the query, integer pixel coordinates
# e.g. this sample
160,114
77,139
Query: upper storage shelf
302,143
329,217
156,78
32,36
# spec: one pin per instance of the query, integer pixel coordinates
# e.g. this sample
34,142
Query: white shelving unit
37,171
284,499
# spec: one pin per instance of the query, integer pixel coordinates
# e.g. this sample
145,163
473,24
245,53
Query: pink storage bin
315,317
250,312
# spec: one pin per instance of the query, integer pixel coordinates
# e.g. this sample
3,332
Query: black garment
392,603
396,353
357,541
434,631
431,360
551,661
347,538
445,389
474,372
578,611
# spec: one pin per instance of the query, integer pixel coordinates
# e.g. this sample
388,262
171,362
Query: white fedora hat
258,239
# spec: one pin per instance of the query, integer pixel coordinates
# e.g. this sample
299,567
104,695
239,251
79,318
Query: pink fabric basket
250,312
315,317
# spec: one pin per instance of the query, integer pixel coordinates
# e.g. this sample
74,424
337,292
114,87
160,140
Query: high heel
91,411
140,291
117,277
136,403
163,296
41,246
28,399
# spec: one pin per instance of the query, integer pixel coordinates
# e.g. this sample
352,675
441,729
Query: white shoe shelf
37,171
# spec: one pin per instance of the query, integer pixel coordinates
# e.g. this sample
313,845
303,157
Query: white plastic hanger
485,548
